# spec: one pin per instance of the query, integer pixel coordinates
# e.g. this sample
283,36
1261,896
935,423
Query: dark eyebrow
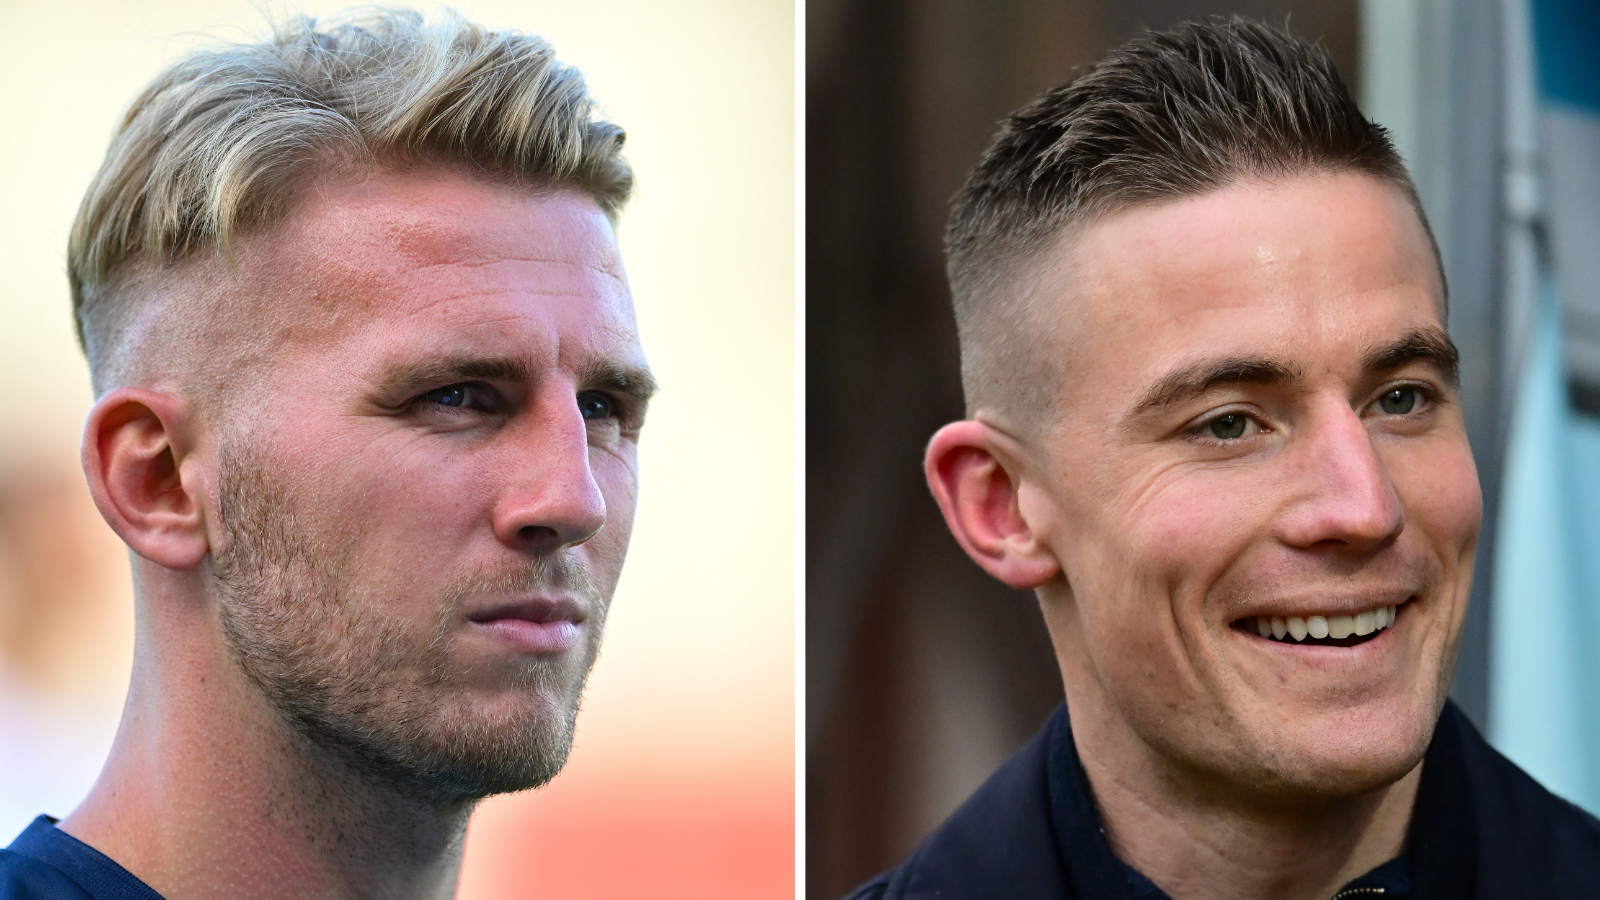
444,370
1423,345
622,378
1197,378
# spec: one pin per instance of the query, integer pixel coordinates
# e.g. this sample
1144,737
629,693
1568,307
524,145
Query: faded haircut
225,140
1165,116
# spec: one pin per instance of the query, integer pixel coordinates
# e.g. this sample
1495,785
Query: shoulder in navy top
46,863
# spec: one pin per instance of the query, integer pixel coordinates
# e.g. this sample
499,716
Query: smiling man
1213,422
369,394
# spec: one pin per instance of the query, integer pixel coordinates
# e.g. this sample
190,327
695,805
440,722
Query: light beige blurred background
682,781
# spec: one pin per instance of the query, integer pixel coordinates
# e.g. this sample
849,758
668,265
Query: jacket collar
1032,832
1438,862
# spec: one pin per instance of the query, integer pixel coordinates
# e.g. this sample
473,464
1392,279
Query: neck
210,793
1199,839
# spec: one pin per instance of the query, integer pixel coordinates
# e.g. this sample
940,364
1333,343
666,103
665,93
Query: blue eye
1399,401
464,396
594,406
454,395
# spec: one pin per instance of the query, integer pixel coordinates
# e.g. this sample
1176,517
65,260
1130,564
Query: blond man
369,390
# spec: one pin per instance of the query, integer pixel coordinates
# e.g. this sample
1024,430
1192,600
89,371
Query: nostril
532,533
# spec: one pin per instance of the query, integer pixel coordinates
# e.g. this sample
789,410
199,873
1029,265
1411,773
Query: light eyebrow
1430,345
1195,379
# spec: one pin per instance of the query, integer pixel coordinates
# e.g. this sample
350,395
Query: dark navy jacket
1481,830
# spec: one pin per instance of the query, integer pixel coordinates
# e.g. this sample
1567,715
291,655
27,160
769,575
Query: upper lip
535,609
1326,606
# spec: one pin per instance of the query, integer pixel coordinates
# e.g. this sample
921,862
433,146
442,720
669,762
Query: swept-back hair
224,140
1167,115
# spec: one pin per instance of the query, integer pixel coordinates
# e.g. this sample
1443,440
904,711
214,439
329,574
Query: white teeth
1336,627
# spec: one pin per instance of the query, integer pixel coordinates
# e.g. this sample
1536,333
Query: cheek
1440,492
1142,565
1175,532
413,509
616,474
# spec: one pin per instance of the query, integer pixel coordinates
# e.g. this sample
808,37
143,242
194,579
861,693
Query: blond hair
224,140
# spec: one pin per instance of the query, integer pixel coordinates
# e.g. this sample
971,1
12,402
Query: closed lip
538,610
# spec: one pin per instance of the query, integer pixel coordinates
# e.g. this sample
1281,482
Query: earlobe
979,498
134,473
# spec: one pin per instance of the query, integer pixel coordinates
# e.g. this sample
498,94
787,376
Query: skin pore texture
1258,416
378,485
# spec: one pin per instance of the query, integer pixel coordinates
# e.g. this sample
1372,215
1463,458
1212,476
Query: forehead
434,260
1313,268
430,215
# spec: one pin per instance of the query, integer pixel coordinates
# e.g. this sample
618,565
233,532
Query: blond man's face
427,476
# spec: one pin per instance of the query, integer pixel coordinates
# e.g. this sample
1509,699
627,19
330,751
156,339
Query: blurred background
922,674
682,783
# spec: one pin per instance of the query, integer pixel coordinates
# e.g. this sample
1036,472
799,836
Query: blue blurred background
1544,676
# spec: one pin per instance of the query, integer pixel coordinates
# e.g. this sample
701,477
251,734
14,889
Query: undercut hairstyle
1167,115
225,140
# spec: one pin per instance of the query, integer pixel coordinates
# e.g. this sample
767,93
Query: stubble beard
357,684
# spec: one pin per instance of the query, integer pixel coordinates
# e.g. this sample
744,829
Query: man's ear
978,496
135,477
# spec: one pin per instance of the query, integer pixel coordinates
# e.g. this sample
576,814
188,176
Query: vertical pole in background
1432,76
1544,688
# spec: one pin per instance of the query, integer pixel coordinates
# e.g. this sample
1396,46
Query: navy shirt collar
1438,840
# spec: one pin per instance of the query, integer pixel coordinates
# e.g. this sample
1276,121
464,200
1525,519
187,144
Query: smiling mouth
1325,631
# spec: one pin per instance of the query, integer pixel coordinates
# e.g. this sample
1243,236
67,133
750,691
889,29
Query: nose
1343,496
551,499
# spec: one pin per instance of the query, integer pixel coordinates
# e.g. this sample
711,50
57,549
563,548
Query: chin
463,752
1338,754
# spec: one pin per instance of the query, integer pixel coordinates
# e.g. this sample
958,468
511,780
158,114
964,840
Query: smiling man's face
1259,423
426,472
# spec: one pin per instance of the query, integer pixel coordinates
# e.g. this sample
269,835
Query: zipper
1353,892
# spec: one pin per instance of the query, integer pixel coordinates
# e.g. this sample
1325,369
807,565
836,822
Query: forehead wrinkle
560,278
456,236
611,316
334,289
492,260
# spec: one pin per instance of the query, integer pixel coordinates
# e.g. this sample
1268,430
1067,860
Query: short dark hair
1167,115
